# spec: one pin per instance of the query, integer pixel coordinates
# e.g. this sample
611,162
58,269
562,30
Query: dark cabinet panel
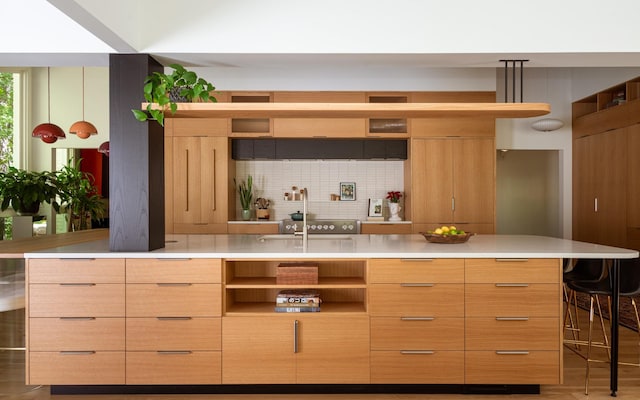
385,149
313,149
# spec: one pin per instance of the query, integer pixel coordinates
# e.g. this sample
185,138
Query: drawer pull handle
77,259
77,284
171,352
77,353
417,352
512,318
173,318
295,336
78,318
173,284
416,284
512,285
415,259
512,259
173,259
417,318
512,353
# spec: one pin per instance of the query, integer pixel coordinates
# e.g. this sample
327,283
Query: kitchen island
397,311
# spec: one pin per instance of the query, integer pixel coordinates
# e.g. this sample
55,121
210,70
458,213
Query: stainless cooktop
324,226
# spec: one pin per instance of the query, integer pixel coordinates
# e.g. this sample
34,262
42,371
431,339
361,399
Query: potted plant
246,195
25,190
165,90
79,197
394,205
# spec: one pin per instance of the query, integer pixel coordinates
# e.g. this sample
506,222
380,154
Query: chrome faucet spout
305,202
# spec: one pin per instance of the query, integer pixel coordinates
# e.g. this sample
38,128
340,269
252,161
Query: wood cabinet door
199,180
333,349
583,190
474,177
258,350
431,181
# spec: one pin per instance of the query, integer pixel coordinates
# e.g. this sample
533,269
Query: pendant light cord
49,94
83,92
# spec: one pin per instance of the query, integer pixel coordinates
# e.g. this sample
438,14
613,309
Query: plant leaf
140,115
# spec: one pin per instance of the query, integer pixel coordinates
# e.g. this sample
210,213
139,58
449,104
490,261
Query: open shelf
243,308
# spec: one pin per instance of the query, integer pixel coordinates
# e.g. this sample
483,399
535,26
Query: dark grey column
136,159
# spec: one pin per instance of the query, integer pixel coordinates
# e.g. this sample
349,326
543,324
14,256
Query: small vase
246,215
394,209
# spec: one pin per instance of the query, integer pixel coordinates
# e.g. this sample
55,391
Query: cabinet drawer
416,271
173,333
532,300
411,333
491,270
154,270
59,334
318,127
174,368
76,300
446,367
512,334
80,270
77,368
438,300
534,367
174,300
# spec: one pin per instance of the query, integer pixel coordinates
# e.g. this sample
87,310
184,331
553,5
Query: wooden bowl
449,239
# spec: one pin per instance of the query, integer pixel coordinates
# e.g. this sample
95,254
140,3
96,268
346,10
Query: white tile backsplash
271,179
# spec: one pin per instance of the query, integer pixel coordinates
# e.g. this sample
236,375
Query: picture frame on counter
375,207
347,191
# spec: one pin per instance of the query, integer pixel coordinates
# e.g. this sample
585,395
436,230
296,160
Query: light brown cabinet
198,181
417,321
76,321
512,321
453,182
302,349
633,187
600,182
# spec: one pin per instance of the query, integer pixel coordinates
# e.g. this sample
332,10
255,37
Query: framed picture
375,207
347,191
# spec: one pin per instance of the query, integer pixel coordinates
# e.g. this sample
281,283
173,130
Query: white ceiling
287,33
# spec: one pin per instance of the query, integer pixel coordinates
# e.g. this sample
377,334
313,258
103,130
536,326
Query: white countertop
355,246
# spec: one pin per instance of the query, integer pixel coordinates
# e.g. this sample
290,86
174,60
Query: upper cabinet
251,126
385,127
612,108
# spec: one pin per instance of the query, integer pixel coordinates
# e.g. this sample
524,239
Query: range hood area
319,149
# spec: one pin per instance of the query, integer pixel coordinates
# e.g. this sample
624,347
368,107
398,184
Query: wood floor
12,383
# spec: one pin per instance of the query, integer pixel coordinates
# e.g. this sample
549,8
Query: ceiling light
83,129
48,132
547,124
104,149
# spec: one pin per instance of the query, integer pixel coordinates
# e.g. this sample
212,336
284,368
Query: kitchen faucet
305,233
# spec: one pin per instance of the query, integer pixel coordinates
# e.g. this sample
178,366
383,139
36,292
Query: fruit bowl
447,239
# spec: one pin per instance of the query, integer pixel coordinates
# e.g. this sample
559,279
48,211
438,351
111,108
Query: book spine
297,309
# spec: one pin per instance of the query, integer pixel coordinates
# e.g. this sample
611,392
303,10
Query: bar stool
629,287
579,270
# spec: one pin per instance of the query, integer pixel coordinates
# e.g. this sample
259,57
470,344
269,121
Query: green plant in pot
245,190
79,197
166,90
25,190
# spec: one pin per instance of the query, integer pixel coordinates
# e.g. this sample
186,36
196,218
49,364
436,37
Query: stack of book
298,301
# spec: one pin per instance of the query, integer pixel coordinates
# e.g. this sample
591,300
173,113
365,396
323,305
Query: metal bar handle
77,284
415,259
512,259
595,204
78,318
512,353
512,285
173,284
512,318
295,336
174,318
417,284
417,318
414,352
77,353
170,352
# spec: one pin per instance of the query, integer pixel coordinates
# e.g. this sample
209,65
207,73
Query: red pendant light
104,149
48,132
83,129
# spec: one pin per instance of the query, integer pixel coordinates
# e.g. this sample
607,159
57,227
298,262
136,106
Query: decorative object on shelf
48,132
79,197
245,189
104,148
394,205
83,129
347,191
547,124
262,208
26,190
160,89
375,210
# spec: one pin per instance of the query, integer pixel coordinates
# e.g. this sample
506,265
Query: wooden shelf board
240,308
323,282
359,110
